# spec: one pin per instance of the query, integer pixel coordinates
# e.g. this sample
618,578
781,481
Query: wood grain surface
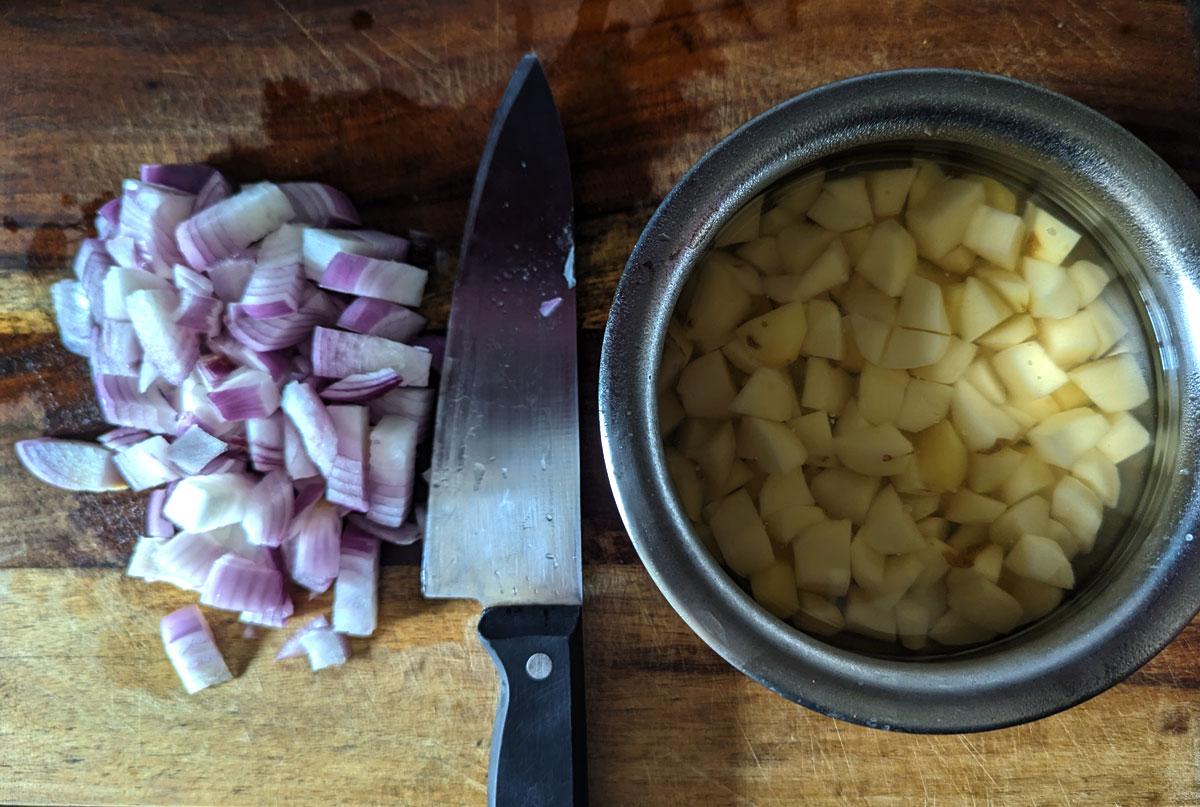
391,101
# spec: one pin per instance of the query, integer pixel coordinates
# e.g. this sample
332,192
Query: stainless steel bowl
1147,588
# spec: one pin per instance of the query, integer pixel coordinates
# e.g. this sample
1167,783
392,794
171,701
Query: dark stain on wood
47,249
1176,721
362,20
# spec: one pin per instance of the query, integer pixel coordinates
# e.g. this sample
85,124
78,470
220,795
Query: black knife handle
539,746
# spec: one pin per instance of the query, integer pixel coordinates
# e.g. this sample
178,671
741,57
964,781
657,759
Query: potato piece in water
922,307
826,387
954,630
1089,280
875,451
940,219
982,602
740,534
773,446
996,236
830,269
768,394
824,336
775,338
775,589
720,301
881,393
844,494
706,387
1063,438
889,258
744,225
843,205
888,189
814,431
1049,239
1114,384
888,528
822,558
941,457
1040,558
818,615
798,195
1125,437
925,404
1028,372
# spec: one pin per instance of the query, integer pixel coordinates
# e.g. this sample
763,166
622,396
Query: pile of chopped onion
267,387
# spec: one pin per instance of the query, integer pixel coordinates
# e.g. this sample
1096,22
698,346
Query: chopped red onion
274,363
186,177
265,334
124,252
70,464
284,247
325,648
358,526
324,308
171,349
337,354
295,456
273,291
116,350
237,584
320,205
272,618
122,437
147,464
189,280
304,409
347,480
186,559
157,525
393,466
120,282
381,318
142,562
199,313
214,368
361,386
192,650
195,449
215,189
265,438
147,376
121,403
230,277
414,403
372,277
435,343
74,315
269,510
224,465
201,503
149,215
232,224
548,307
320,246
312,552
292,647
354,593
107,217
246,394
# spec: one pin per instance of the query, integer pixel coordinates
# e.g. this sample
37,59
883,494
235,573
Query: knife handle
539,745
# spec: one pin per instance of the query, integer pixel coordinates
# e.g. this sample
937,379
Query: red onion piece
273,363
361,386
320,205
325,648
149,215
393,467
415,403
192,650
265,437
157,525
273,291
199,313
347,480
358,526
187,279
107,217
186,177
122,437
186,559
171,349
312,553
292,647
202,503
371,277
237,584
337,354
230,277
120,282
73,314
195,449
355,608
320,246
147,464
246,394
269,510
264,334
215,189
308,415
232,224
122,404
116,349
70,464
295,456
142,561
272,618
381,318
224,465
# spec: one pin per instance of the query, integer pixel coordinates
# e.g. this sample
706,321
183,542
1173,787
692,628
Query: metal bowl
1147,588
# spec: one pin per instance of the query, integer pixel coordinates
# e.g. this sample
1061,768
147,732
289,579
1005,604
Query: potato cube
824,336
830,269
995,236
1115,384
928,175
875,451
740,475
889,258
1071,340
866,565
957,261
915,615
982,602
965,506
939,220
870,336
718,304
742,226
1110,328
987,472
1036,599
1051,293
855,242
739,354
1011,287
776,220
888,529
1027,371
888,189
826,387
982,377
1077,508
768,394
1026,516
818,615
860,297
1012,331
953,630
849,420
798,195
843,205
716,459
813,430
706,387
822,558
1023,419
967,540
1031,476
775,338
907,349
785,524
843,494
741,535
672,364
1070,396
909,481
1049,239
775,589
852,358
686,481
743,272
940,457
900,573
881,393
935,564
1063,438
1126,436
1070,545
981,309
1100,474
763,253
801,244
782,490
920,505
1089,280
670,412
979,422
922,307
995,193
925,403
869,616
1039,558
988,562
774,446
1040,408
694,435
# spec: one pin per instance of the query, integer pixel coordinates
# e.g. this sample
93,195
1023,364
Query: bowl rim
1042,671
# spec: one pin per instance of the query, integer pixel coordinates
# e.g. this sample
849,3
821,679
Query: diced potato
783,490
909,481
720,301
871,337
987,472
1049,239
822,558
763,253
965,506
920,505
1051,293
934,560
843,494
1012,331
1063,438
1036,599
855,242
1039,408
741,535
888,189
774,446
743,226
1026,516
1009,285
824,335
706,387
716,459
981,309
1071,340
860,297
881,393
1126,436
686,481
982,377
996,193
798,195
1023,419
1069,396
954,630
831,268
1039,558
849,420
925,403
933,527
1114,384
908,349
934,274
785,524
889,258
922,307
915,615
775,589
743,272
813,430
888,529
739,354
818,615
776,220
843,205
801,244
877,450
941,457
1100,474
928,175
988,562
981,602
739,475
939,220
900,573
767,394
775,338
996,236
1066,540
1027,371
852,357
1089,280
826,387
957,261
869,616
1077,508
967,540
979,422
694,434
1031,476
672,364
866,565
670,412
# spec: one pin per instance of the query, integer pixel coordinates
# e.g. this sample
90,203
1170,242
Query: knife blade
504,516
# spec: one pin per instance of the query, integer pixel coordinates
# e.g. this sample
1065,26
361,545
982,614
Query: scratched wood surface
391,101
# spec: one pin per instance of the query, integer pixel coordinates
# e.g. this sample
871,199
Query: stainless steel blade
504,520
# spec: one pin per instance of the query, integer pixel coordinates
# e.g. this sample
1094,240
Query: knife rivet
538,666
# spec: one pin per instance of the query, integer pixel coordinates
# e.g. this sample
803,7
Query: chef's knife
504,523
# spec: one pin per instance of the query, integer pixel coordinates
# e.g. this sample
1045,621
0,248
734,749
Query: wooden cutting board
391,101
